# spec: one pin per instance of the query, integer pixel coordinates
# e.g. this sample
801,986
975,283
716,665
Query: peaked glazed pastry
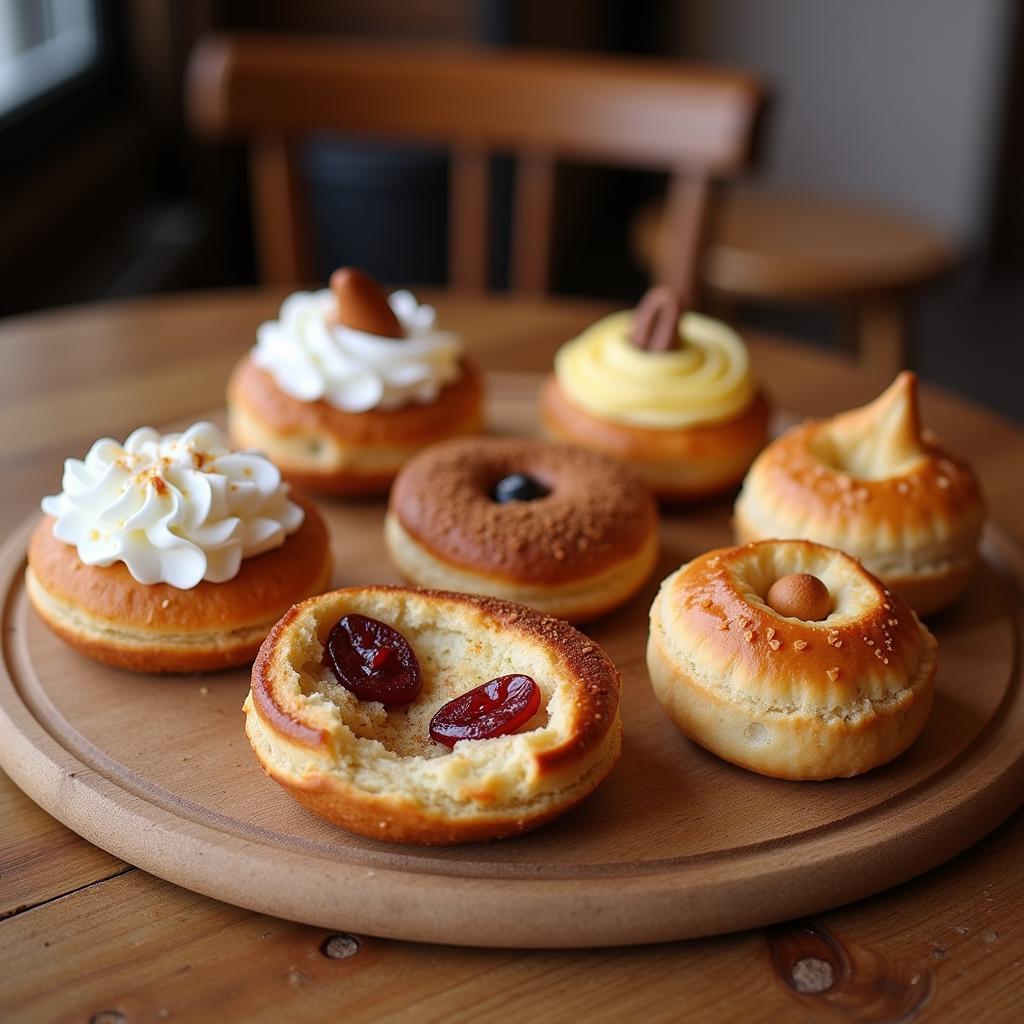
671,393
172,553
874,484
349,383
490,719
790,659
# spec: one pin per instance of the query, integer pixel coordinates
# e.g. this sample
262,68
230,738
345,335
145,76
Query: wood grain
83,953
41,859
168,783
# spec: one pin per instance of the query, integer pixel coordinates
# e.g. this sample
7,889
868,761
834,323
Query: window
44,44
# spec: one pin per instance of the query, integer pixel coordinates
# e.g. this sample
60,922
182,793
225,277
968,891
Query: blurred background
895,135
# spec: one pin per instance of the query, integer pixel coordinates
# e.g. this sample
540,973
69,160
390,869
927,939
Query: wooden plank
282,223
642,112
164,952
686,214
532,221
40,859
469,205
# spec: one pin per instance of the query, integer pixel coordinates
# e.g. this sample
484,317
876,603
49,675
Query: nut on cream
314,358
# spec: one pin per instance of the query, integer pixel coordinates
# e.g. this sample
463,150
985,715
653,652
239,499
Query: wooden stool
772,247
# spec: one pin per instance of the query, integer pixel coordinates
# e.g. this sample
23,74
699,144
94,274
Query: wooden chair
697,124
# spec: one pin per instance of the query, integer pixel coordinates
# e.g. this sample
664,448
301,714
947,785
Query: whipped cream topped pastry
875,484
349,383
173,553
314,351
670,391
174,508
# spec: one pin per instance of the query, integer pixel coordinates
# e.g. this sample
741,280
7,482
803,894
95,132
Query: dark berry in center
518,487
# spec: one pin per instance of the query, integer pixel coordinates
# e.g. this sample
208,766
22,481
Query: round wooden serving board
675,844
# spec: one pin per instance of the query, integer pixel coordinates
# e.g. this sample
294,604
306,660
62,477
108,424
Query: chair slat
469,205
686,217
532,223
282,227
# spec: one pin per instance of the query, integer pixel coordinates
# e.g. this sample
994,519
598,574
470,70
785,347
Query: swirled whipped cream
312,357
706,379
175,508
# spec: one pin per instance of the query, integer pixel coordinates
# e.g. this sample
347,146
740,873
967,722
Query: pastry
347,384
560,529
671,394
172,553
874,484
426,717
790,659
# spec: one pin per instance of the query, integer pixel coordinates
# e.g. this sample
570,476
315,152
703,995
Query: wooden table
84,936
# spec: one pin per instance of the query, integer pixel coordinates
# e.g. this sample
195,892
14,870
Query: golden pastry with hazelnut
873,483
790,659
671,393
348,383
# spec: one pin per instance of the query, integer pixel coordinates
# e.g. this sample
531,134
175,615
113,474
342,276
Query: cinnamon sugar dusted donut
790,659
872,483
376,768
548,525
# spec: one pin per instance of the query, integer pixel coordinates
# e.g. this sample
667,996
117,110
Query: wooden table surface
84,936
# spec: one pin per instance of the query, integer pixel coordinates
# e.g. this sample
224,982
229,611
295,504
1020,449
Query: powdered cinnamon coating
597,513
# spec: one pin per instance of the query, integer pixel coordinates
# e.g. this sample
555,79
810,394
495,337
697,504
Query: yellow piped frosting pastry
706,379
873,483
685,412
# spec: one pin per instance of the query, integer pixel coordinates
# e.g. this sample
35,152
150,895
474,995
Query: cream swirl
312,357
176,508
706,379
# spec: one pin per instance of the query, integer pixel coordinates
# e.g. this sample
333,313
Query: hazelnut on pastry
744,662
172,553
427,717
348,383
552,526
873,483
669,392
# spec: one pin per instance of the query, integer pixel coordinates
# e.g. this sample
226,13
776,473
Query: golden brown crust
301,752
457,410
786,697
597,515
108,615
917,529
687,463
941,487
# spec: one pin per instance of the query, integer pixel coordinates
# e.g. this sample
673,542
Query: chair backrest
695,123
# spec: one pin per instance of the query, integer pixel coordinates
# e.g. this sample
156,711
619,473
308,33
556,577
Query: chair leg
881,331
